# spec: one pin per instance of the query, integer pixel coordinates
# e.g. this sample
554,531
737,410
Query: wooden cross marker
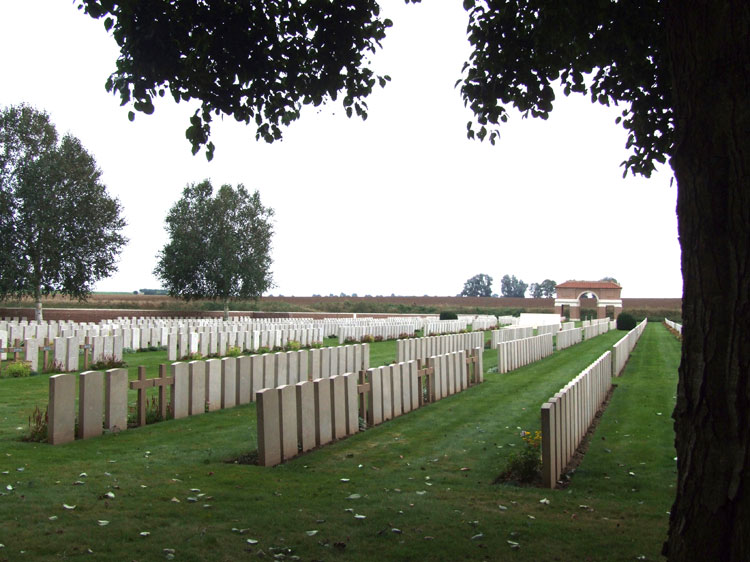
362,389
86,349
141,385
46,348
472,364
163,382
428,374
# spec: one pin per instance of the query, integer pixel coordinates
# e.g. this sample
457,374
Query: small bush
350,340
448,316
316,345
293,345
367,339
625,322
262,350
38,426
197,356
234,351
404,336
378,338
17,369
107,362
153,413
526,465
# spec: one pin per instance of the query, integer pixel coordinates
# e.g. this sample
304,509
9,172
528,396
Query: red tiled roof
589,285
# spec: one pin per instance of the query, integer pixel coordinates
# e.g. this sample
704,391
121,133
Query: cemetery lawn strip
428,475
630,465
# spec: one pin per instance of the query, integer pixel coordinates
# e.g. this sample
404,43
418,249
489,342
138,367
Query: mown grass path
423,482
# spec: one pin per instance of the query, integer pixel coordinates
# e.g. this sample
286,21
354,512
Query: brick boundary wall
538,305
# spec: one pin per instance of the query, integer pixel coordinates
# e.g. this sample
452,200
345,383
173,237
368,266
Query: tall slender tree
61,231
219,245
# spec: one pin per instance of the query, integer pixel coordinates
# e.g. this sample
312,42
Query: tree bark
709,44
226,310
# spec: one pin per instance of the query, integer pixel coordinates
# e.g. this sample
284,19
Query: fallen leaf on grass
513,544
358,516
53,518
145,533
311,533
502,508
353,497
545,501
252,541
175,500
102,523
70,507
110,495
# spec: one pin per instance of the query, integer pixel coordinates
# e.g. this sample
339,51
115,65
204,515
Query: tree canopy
259,62
61,231
219,245
545,289
512,287
478,286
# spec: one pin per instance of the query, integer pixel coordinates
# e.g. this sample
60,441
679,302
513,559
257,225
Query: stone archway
607,295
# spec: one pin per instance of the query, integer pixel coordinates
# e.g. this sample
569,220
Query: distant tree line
481,286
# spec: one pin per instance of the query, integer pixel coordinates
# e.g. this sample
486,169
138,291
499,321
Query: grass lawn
422,485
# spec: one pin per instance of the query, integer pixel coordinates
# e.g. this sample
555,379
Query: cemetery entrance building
606,293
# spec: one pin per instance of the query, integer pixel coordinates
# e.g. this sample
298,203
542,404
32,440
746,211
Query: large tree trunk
226,310
709,45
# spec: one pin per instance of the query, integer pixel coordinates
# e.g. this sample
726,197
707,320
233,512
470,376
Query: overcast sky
400,204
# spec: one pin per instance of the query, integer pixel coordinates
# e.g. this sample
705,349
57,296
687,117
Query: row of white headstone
567,415
198,386
510,333
439,327
621,350
598,327
568,337
674,325
293,419
184,344
517,353
479,321
66,351
422,348
382,331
